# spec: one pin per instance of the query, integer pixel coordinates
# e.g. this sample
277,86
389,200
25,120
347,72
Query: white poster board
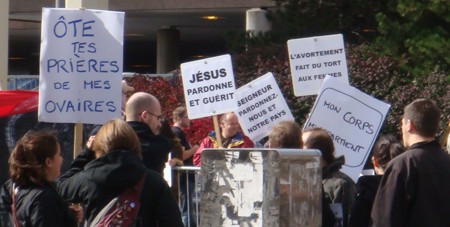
80,66
209,86
260,106
311,59
353,119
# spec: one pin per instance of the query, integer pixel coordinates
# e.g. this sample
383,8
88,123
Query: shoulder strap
130,194
134,192
13,206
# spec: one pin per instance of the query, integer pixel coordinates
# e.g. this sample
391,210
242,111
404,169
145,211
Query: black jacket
106,177
415,189
366,190
338,187
38,206
155,148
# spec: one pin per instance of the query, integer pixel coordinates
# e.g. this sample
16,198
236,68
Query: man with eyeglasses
143,114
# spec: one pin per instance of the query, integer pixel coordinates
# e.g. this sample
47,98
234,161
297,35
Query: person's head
229,124
145,108
125,90
285,134
420,121
320,139
180,117
35,159
386,148
116,134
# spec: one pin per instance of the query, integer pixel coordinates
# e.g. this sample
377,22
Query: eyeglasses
159,117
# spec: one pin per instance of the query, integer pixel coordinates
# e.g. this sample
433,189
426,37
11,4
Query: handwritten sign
260,106
209,86
80,66
353,120
313,58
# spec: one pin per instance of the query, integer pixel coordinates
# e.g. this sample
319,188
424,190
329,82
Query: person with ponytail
385,149
30,195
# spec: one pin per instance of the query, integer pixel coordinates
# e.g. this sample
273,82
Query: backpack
122,210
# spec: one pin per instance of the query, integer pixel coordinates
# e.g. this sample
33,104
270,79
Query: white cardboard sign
311,59
260,106
80,66
209,86
353,120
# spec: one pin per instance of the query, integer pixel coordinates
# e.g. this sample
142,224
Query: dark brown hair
166,131
27,160
386,148
424,115
321,140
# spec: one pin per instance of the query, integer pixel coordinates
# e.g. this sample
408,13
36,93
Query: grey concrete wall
18,6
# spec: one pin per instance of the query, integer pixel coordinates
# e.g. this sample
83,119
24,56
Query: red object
18,102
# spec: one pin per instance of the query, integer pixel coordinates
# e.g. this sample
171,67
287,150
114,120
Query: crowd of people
409,188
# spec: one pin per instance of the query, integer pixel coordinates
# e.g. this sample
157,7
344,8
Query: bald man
231,137
143,114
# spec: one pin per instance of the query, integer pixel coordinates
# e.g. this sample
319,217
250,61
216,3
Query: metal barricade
188,191
23,82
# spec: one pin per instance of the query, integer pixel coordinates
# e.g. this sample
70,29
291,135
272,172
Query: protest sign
311,59
353,120
209,86
260,106
80,66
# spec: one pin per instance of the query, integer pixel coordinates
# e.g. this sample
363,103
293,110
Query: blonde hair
116,135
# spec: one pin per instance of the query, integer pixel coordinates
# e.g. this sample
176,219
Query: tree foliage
303,18
419,31
411,30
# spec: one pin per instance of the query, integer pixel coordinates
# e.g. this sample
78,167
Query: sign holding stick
217,130
260,106
209,86
313,58
80,66
353,120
